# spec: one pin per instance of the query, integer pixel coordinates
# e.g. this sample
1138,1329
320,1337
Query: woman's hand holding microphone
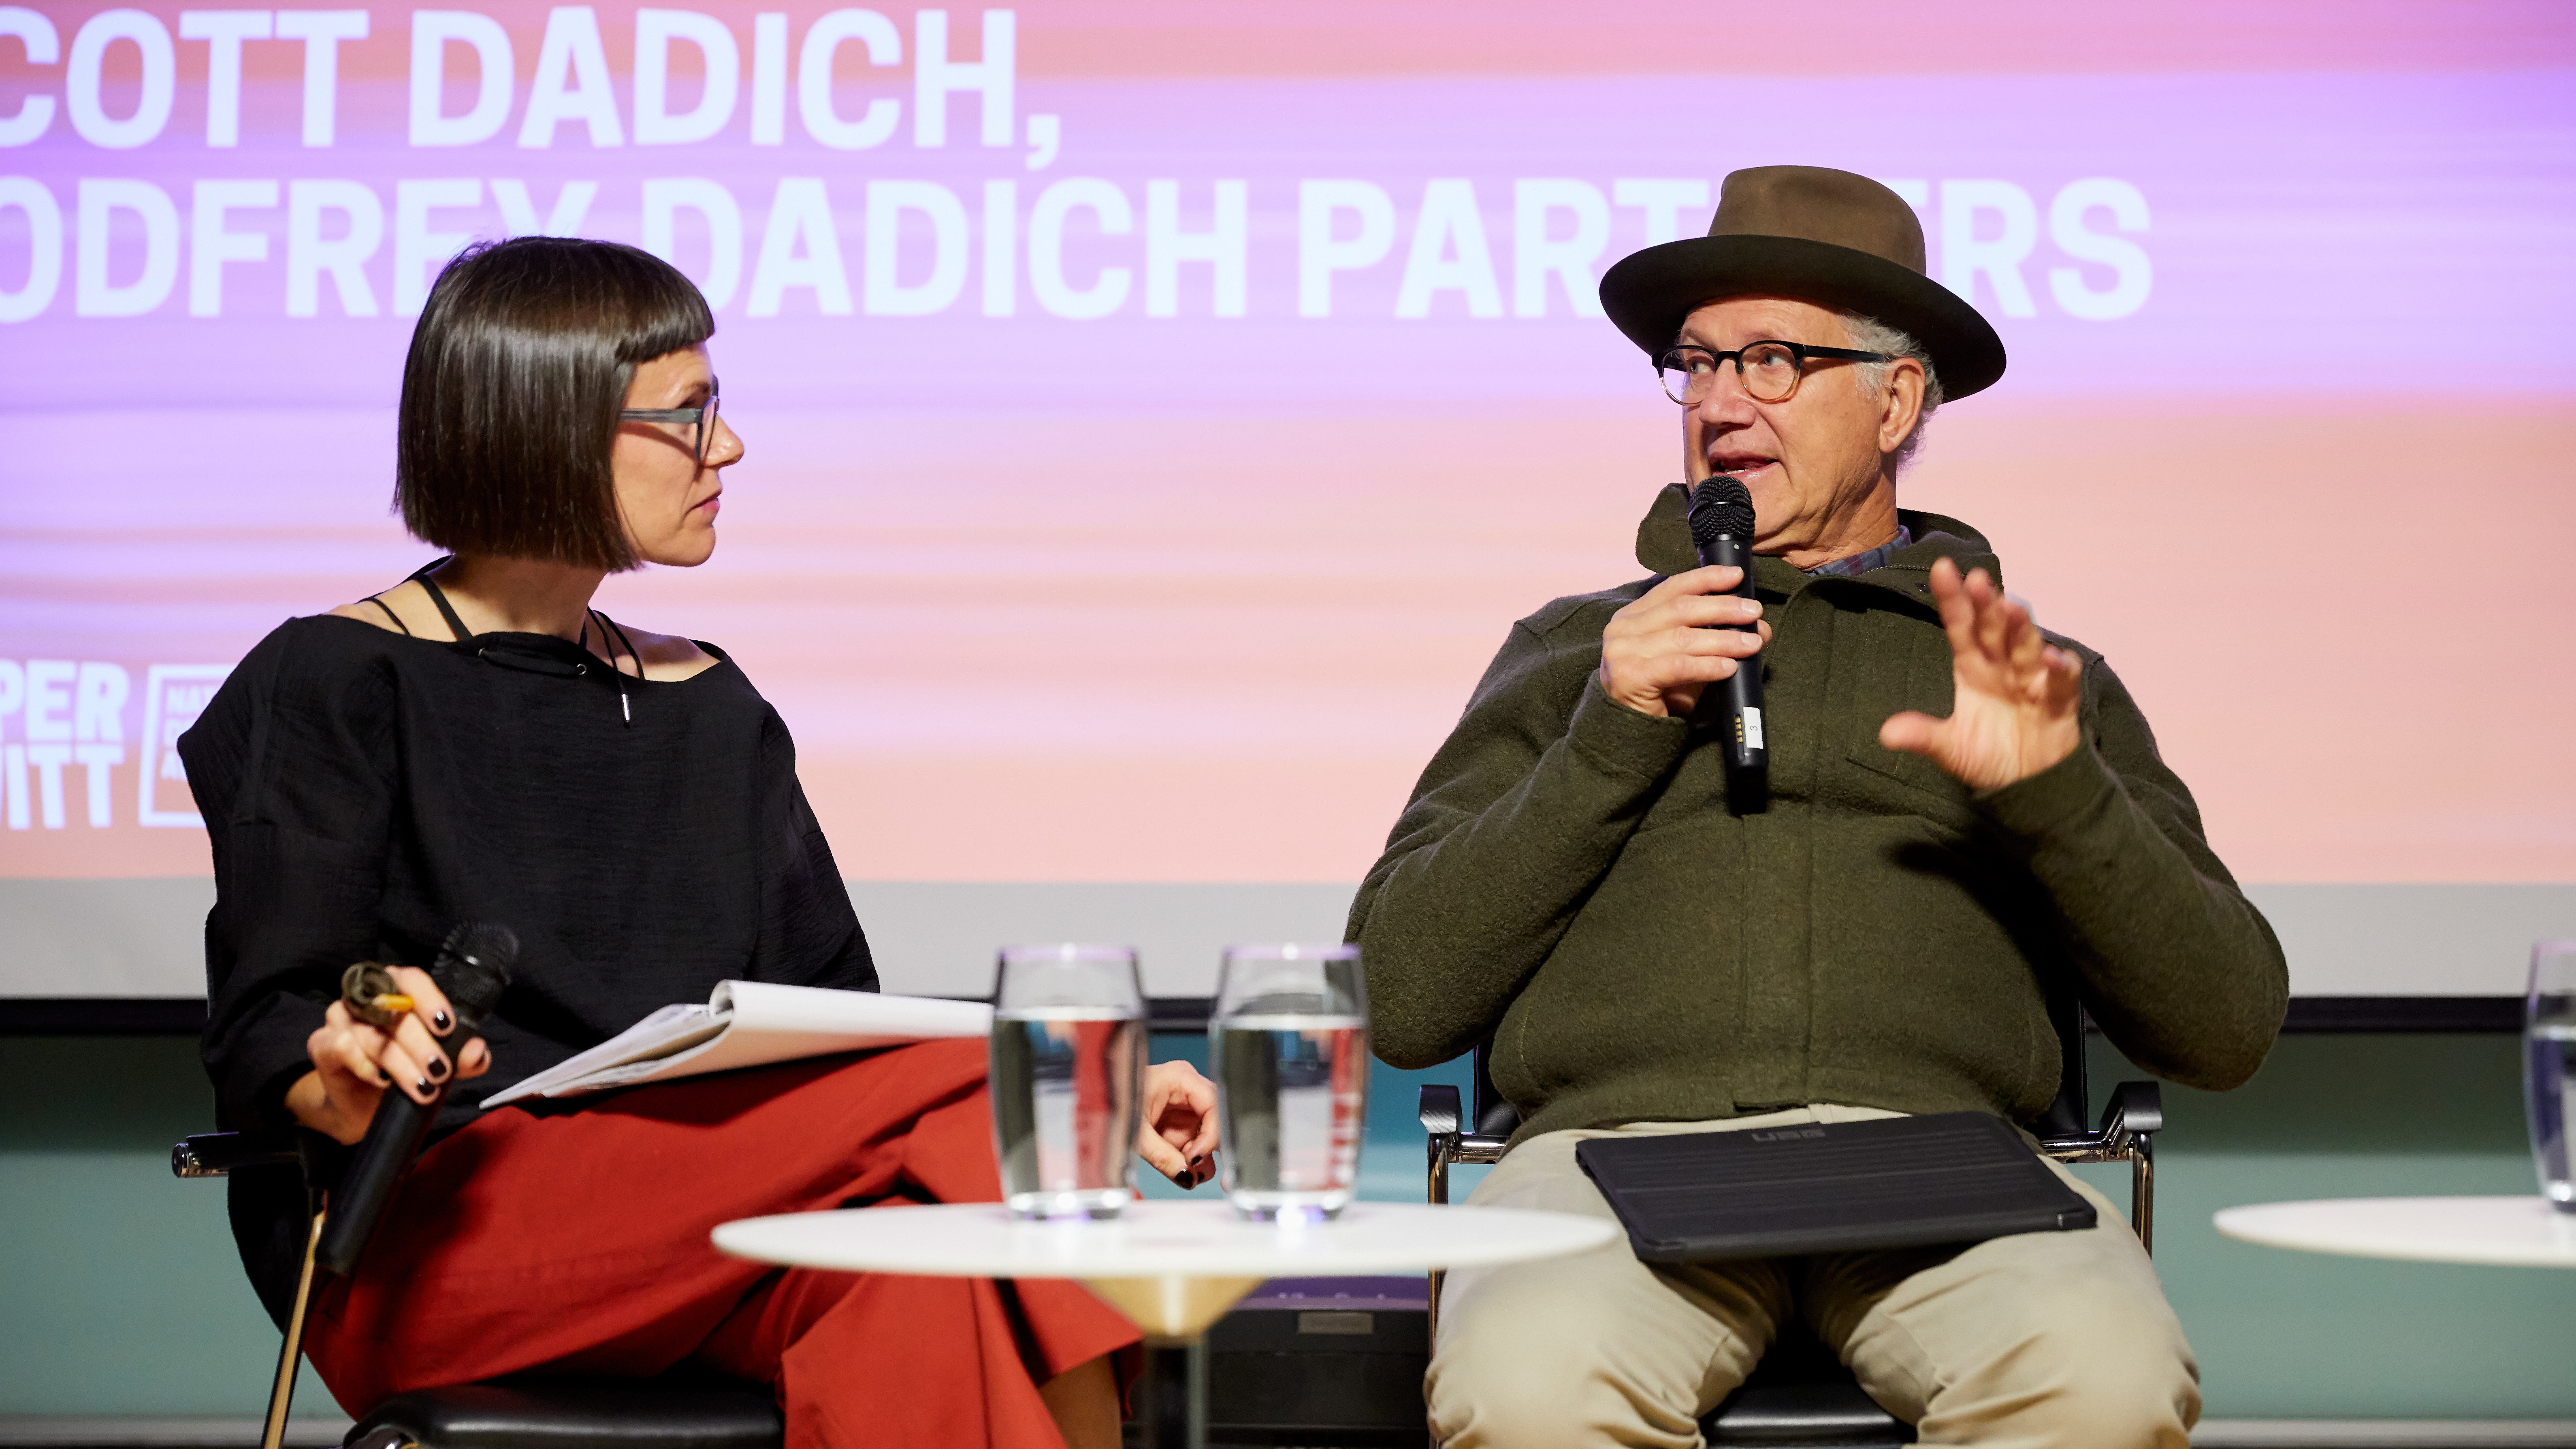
356,1060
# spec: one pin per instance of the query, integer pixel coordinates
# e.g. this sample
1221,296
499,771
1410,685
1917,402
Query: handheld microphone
1721,526
473,969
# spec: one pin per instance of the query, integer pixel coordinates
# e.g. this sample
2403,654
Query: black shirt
365,790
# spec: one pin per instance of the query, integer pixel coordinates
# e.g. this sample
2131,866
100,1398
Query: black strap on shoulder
625,706
379,602
438,596
620,629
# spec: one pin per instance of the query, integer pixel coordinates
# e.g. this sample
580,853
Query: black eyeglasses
1771,370
702,418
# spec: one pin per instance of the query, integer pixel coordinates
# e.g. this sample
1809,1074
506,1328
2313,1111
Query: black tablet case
1896,1182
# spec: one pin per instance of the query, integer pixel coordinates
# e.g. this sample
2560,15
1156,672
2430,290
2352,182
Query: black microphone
1721,525
473,969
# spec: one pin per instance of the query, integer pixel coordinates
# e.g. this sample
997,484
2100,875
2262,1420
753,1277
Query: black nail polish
441,1020
438,1069
422,1086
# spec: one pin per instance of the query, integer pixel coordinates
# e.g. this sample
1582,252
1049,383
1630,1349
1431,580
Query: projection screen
1158,412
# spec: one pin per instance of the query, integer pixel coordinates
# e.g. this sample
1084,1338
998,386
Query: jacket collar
1664,548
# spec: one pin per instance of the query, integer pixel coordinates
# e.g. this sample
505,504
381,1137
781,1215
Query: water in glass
1289,1044
1295,1090
1064,1110
1068,1058
2549,1067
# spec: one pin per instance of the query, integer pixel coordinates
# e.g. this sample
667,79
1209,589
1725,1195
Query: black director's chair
675,1411
1800,1393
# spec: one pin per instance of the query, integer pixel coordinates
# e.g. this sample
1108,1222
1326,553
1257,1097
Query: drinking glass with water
1289,1042
2549,1066
1068,1064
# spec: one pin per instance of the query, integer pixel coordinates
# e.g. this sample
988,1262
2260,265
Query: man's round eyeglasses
1770,370
701,419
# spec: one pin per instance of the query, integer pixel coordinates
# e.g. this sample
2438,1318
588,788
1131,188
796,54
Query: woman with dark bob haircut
479,743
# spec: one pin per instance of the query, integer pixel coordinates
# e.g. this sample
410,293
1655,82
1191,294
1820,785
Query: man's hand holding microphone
1679,637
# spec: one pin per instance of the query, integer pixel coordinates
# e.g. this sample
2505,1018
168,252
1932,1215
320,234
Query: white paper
751,1024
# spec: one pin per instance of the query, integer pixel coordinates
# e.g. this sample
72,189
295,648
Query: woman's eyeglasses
701,418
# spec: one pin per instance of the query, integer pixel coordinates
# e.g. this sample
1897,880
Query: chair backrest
2071,1115
1493,1115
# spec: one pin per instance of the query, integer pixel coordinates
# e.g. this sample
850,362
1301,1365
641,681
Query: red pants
578,1243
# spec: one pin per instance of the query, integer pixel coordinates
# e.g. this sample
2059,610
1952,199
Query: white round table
1171,1267
2520,1232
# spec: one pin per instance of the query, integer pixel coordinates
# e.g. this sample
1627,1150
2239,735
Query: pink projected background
1146,457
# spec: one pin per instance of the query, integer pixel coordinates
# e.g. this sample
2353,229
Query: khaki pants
2038,1339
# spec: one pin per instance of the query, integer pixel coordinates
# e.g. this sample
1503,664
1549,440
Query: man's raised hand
2017,694
1660,651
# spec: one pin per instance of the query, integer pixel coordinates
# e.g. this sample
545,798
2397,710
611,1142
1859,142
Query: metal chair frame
219,1154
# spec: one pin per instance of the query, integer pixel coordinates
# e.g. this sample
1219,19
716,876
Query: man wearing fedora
1966,820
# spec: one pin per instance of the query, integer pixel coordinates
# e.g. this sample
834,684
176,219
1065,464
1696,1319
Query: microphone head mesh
474,966
1721,507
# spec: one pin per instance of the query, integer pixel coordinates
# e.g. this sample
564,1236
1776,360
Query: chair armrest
1443,1143
2138,1107
219,1154
2135,1114
1440,1110
1448,1136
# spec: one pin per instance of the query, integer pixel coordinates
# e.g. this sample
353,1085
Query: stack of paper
751,1024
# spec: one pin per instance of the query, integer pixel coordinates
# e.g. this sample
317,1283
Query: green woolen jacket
1568,879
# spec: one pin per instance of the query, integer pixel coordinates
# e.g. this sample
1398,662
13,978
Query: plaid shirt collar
1860,563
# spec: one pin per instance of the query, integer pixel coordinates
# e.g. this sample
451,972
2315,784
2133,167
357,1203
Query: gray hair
1871,335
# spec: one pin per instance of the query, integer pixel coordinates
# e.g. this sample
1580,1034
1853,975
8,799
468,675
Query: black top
365,790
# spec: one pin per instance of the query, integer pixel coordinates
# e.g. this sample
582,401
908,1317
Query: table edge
1408,1267
2238,1230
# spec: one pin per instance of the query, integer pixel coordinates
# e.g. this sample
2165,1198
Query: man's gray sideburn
1871,335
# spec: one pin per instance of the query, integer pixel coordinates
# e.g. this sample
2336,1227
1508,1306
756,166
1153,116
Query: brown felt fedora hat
1829,237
